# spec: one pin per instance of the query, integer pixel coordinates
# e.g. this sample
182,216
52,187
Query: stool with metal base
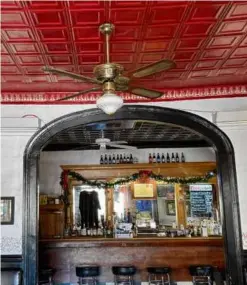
87,274
124,274
46,276
159,275
201,274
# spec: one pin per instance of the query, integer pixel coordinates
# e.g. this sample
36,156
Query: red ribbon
145,173
65,180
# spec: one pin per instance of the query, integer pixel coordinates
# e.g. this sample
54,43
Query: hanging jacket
89,206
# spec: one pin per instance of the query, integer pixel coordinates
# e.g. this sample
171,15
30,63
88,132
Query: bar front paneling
178,253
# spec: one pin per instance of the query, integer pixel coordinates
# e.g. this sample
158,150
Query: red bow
145,173
65,180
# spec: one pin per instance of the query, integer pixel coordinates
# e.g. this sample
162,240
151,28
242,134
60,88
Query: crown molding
208,92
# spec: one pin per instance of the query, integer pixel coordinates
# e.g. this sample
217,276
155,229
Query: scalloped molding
90,98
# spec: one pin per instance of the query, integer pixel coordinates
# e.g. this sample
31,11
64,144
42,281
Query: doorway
225,169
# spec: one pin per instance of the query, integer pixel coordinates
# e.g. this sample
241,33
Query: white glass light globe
109,103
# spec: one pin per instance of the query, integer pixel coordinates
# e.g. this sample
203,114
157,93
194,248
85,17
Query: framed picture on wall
170,208
7,208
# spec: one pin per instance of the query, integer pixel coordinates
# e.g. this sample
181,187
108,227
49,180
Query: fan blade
80,93
122,146
116,142
71,74
147,93
150,69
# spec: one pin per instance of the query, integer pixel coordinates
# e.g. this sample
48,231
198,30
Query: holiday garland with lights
66,174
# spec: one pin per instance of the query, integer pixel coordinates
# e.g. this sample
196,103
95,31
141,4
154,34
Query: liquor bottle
84,231
128,159
117,160
150,159
105,160
121,159
101,159
177,157
158,158
131,159
94,230
168,158
100,230
113,159
154,158
109,231
129,219
125,215
122,218
124,159
109,160
182,157
173,158
163,160
104,230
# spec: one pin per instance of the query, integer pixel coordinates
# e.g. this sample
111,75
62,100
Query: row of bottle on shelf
203,228
101,230
116,159
128,158
108,231
166,159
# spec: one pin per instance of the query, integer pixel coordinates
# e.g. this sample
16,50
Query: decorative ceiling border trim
90,98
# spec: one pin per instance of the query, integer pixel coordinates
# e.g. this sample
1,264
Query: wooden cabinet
51,221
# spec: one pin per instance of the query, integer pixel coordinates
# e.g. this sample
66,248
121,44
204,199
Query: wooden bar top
132,242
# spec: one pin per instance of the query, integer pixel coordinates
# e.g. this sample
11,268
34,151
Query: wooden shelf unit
111,171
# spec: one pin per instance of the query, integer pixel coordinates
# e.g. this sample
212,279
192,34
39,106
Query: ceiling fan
103,142
109,78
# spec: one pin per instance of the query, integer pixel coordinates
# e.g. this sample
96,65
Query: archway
225,167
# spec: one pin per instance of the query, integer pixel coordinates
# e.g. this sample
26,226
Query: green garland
134,177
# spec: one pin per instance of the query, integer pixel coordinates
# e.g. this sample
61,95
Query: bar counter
132,242
178,253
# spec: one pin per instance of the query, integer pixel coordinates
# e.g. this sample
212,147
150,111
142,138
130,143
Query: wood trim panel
136,242
180,206
179,254
122,170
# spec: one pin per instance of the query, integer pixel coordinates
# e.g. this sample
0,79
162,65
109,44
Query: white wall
15,134
15,137
50,162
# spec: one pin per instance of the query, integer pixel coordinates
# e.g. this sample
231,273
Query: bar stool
159,275
87,274
46,276
124,274
201,274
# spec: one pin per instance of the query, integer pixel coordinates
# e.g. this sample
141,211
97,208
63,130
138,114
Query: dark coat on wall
89,205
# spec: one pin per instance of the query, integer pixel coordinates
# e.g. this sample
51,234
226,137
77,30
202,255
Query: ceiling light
109,103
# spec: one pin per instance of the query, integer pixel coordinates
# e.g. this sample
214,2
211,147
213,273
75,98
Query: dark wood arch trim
225,166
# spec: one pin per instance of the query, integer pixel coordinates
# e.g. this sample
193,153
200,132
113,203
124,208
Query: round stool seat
158,270
45,275
87,271
124,270
201,270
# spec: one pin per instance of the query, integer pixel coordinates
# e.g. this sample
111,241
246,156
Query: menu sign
201,200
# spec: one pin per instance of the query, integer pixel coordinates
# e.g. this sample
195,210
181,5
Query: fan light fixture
109,103
111,78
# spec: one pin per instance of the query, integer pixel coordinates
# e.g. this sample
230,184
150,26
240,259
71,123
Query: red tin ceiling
207,40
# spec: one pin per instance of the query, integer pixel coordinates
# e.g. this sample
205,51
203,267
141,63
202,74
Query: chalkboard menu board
201,200
166,191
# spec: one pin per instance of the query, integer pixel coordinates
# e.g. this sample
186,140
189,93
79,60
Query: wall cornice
90,98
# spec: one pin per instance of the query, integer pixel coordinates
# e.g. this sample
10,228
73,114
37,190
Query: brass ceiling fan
109,78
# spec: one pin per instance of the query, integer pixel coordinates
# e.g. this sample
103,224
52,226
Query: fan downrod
106,28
